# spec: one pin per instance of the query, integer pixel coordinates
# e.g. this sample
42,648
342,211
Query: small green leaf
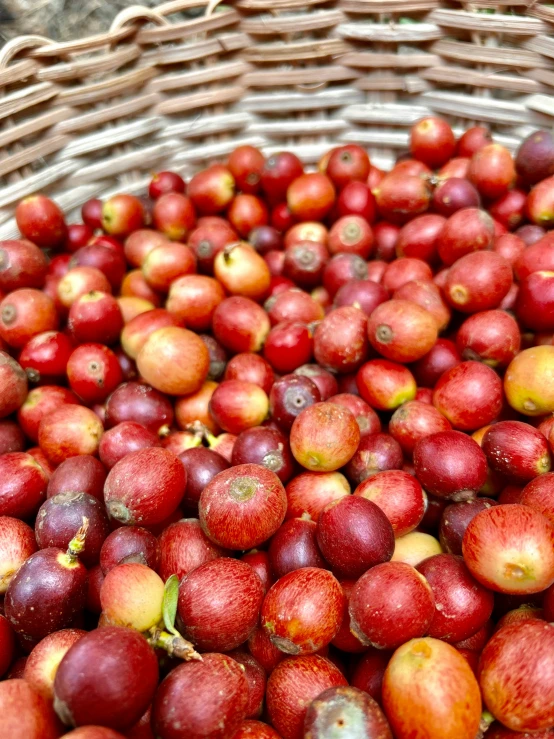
169,605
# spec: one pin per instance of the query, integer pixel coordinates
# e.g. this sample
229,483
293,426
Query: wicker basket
97,115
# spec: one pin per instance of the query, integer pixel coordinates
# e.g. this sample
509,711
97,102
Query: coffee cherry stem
486,720
77,544
173,644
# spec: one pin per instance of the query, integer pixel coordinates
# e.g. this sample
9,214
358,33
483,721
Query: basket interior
98,115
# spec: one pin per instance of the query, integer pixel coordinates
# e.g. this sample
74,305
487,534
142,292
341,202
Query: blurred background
61,20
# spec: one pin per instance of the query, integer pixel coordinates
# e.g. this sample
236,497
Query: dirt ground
60,20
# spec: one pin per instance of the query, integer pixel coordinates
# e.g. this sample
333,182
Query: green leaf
169,604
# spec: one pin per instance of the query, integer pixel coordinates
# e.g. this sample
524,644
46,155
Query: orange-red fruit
291,688
492,171
478,282
242,506
166,263
510,549
469,395
385,385
242,271
529,381
204,589
540,203
42,664
400,197
193,299
25,713
174,360
174,215
131,595
432,141
41,221
311,196
25,313
69,431
122,214
430,691
402,331
303,610
391,603
324,437
515,675
212,189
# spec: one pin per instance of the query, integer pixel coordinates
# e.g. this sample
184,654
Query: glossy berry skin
288,346
25,713
469,395
514,675
421,691
13,381
294,546
42,663
131,595
23,485
46,593
93,372
257,680
242,506
455,520
129,544
183,546
17,543
343,710
400,497
375,453
516,450
340,340
324,437
385,385
217,691
83,473
41,221
309,493
145,487
236,405
88,689
265,652
450,465
133,401
71,430
413,421
202,465
201,594
354,535
402,331
252,729
163,182
121,440
45,356
289,396
432,141
267,447
293,685
510,549
463,606
390,604
303,610
60,517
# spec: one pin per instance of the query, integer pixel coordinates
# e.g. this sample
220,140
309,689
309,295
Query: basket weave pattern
96,116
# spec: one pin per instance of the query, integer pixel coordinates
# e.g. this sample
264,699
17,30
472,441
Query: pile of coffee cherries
275,451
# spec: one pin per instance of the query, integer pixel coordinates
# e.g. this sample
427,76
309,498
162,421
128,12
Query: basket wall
96,116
